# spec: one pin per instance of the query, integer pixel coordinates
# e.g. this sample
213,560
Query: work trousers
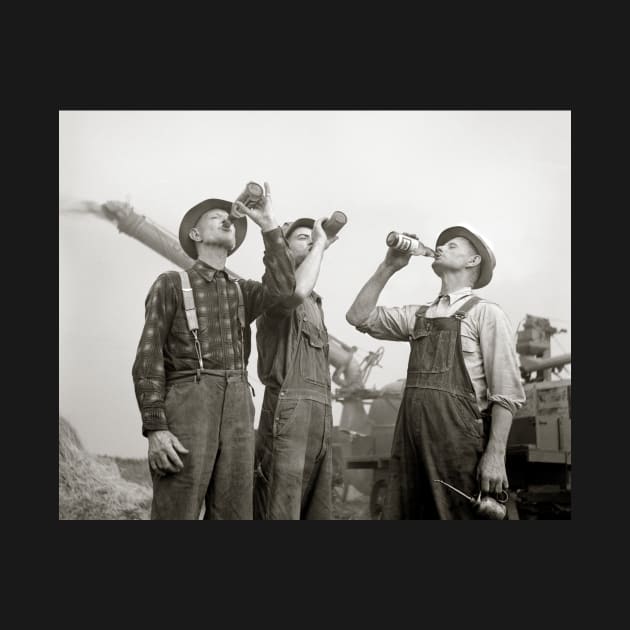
294,459
213,417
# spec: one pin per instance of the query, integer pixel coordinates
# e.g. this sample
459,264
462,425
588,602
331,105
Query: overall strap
462,310
191,313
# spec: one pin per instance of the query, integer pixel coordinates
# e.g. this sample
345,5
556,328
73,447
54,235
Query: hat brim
488,261
303,222
196,212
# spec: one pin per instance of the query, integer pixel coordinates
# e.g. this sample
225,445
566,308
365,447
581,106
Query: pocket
313,335
469,419
313,363
286,413
432,351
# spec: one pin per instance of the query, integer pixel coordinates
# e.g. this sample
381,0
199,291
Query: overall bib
293,478
439,431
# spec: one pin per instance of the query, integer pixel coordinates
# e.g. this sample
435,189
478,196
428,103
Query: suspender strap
460,313
191,313
189,302
462,310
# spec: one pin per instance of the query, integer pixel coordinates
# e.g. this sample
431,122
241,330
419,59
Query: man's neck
454,282
213,255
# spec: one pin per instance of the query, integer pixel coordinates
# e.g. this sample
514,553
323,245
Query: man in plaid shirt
192,388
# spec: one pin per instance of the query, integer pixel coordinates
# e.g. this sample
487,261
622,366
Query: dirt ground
355,507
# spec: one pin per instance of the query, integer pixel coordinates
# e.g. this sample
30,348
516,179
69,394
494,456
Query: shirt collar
207,272
455,295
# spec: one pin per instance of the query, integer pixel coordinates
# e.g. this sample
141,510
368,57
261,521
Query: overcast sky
506,173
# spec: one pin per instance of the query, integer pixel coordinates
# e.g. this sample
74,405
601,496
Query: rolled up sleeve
497,342
390,323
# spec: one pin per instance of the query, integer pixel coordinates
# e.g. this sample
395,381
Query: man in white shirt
463,382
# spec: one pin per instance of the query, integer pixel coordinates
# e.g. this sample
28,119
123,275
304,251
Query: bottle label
402,242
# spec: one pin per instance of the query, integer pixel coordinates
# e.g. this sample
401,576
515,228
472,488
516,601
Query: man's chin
227,243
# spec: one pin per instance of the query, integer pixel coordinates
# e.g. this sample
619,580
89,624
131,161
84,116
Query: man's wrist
319,246
267,225
387,269
153,419
495,448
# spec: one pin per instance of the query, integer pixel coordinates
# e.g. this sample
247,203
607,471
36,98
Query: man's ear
194,235
474,261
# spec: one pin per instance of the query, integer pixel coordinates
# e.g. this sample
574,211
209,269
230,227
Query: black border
284,556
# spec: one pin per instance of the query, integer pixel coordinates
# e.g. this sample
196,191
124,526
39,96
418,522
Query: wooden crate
547,397
539,431
544,421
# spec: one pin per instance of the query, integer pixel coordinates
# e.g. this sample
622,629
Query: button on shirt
487,339
167,345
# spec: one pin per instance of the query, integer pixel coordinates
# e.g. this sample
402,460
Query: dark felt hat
488,261
195,213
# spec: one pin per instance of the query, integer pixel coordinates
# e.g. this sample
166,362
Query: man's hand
395,259
261,214
320,237
163,449
491,472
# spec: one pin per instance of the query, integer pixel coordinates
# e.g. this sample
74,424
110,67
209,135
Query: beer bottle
408,244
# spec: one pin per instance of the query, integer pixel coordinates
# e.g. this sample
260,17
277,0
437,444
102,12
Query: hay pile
91,488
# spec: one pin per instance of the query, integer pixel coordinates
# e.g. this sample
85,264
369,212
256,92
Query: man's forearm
365,302
307,273
279,277
500,425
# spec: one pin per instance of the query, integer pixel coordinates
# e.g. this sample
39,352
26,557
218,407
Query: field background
101,487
